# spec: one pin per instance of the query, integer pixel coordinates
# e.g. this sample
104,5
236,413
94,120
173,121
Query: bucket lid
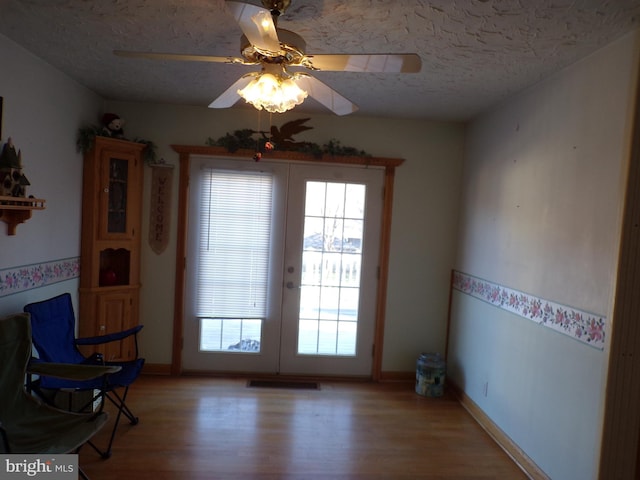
434,359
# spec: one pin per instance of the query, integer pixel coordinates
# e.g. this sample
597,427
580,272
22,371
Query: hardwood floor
211,428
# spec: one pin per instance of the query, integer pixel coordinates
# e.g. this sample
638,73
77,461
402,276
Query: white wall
43,110
424,217
541,211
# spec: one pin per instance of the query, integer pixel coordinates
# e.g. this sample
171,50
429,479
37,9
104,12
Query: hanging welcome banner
160,205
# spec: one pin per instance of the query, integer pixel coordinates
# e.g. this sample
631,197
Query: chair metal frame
27,425
65,348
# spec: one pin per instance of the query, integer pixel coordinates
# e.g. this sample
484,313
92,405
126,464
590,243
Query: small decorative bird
283,136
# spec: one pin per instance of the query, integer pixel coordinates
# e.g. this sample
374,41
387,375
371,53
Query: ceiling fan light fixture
273,93
275,49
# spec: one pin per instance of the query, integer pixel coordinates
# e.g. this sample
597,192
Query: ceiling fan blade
179,56
230,96
257,25
381,62
325,95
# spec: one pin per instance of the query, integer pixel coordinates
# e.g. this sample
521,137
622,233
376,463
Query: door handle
291,285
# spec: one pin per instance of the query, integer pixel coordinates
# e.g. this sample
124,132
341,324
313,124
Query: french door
282,264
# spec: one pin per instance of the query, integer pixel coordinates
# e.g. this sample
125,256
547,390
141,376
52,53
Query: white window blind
234,241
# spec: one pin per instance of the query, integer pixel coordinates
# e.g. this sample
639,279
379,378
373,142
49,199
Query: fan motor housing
291,51
276,7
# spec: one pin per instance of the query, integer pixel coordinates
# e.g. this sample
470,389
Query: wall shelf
17,210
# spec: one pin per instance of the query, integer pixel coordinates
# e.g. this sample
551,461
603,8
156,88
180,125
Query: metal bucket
430,375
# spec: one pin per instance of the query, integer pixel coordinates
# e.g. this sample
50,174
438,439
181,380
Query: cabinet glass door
117,180
117,198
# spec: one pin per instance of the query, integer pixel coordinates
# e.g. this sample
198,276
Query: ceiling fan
284,63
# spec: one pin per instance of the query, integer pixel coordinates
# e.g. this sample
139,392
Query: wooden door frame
186,151
620,441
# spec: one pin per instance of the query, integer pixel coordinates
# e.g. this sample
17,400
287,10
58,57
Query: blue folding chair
53,335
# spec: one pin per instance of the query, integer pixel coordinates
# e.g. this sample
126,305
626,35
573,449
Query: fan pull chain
258,155
269,145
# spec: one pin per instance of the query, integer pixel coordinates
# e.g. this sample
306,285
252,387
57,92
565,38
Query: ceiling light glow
274,93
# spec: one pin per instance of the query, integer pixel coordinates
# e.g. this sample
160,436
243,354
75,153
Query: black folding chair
27,425
53,327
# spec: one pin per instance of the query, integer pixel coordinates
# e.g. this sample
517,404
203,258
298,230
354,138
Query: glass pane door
289,290
331,261
234,265
331,267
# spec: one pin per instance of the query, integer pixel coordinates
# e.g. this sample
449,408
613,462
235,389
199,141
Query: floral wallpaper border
583,326
19,279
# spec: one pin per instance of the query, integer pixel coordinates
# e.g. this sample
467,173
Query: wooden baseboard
527,465
156,369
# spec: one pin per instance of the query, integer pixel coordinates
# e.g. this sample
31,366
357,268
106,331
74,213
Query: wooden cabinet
110,252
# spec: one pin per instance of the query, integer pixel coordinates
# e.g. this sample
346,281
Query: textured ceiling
474,52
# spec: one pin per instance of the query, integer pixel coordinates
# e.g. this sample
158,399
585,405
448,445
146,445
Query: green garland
239,139
87,135
243,139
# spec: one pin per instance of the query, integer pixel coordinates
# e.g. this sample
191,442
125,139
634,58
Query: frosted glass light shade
273,93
